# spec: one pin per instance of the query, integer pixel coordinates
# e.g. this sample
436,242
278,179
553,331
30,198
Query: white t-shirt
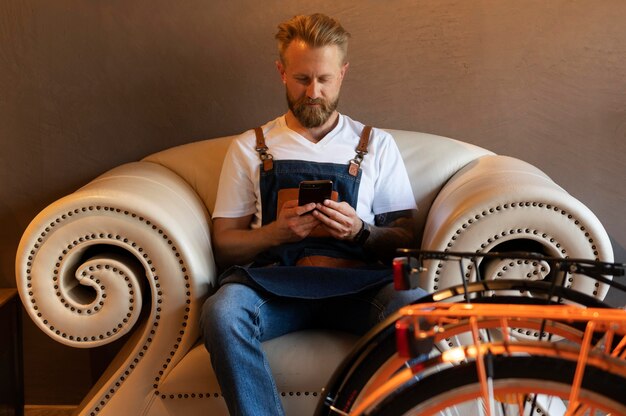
384,184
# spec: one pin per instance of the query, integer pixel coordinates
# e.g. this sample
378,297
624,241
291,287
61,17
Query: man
300,266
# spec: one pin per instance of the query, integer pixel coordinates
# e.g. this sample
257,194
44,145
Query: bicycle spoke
523,330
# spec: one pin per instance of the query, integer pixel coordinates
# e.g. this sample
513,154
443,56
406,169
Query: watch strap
363,234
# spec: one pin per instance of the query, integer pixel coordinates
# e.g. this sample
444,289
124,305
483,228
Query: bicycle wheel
377,350
522,385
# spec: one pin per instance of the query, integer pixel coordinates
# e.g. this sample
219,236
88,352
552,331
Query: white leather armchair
129,254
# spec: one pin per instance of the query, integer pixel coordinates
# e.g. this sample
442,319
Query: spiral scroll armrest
499,203
129,251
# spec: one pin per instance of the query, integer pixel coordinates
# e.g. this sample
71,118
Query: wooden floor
37,410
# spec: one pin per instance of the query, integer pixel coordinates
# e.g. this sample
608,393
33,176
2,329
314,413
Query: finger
333,214
342,206
307,219
305,225
332,204
336,229
303,219
303,209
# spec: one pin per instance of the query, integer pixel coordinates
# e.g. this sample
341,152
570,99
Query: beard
309,116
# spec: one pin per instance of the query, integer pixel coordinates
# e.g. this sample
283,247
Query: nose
313,90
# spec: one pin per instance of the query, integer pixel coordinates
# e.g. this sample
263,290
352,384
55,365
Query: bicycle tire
379,345
539,374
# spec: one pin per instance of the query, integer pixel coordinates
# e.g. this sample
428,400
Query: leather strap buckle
266,158
361,151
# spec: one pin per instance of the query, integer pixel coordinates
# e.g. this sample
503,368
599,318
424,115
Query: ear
281,70
344,69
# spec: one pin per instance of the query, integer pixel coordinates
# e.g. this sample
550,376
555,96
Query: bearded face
312,78
311,112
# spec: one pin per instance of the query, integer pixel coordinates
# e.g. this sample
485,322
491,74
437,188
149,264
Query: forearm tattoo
392,230
386,218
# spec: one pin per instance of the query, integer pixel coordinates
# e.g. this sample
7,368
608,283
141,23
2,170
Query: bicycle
375,359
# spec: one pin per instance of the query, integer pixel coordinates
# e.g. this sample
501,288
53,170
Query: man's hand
293,222
236,243
392,230
339,219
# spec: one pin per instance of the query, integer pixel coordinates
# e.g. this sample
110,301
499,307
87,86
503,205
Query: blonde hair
316,30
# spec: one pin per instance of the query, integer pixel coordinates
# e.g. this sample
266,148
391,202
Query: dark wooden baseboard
48,410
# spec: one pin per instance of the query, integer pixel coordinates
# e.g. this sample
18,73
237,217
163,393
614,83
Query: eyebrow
303,75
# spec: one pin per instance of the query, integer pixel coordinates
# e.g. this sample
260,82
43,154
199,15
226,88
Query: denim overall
276,270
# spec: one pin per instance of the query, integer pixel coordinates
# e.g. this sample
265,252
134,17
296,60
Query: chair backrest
430,161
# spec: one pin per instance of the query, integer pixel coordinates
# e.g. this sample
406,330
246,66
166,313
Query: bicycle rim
522,386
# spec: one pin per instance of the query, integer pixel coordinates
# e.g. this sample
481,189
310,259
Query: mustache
311,101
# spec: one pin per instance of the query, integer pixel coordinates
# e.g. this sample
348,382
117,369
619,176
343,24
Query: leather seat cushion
302,363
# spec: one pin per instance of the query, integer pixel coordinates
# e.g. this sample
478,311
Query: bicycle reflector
405,273
412,342
401,270
405,336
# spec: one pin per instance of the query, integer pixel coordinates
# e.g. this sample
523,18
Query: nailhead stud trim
547,239
133,247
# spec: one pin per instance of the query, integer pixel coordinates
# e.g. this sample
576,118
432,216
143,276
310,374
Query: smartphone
314,191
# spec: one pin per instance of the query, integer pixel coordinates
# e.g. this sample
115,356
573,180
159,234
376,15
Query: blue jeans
237,319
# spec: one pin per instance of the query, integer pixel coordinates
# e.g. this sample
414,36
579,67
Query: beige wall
87,85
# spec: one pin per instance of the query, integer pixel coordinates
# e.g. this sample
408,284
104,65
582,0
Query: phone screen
314,191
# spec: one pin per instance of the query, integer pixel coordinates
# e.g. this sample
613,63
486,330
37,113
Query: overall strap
355,164
261,148
361,150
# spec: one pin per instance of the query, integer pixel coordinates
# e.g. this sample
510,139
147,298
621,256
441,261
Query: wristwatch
361,237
